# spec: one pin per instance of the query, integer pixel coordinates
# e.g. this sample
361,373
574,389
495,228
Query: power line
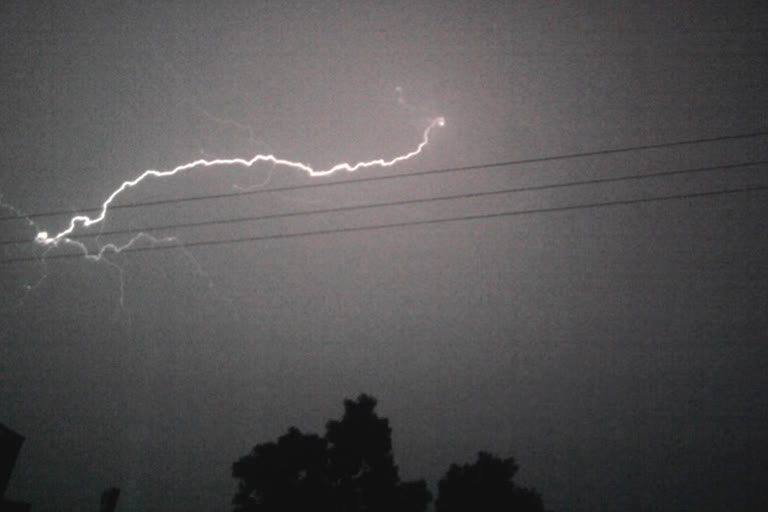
405,224
589,182
532,160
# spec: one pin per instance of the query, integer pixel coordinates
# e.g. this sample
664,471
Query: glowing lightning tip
440,121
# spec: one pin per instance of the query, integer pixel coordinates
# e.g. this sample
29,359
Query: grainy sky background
618,353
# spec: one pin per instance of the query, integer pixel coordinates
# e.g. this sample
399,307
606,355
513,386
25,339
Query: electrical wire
509,163
406,224
531,188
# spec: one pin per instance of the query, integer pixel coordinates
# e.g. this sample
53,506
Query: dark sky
617,352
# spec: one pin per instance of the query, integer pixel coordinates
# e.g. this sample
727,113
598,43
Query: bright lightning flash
44,239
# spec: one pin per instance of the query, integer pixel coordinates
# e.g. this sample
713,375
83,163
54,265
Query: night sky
618,352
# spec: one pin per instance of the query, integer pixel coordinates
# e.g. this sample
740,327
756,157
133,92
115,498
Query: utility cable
567,156
472,195
406,224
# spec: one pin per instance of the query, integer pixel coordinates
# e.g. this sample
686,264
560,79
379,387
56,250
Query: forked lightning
50,241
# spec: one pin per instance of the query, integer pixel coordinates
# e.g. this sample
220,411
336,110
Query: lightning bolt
28,286
52,241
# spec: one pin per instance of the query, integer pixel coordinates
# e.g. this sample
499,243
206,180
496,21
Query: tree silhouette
289,475
485,485
351,469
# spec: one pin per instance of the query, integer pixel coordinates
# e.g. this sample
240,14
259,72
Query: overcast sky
617,352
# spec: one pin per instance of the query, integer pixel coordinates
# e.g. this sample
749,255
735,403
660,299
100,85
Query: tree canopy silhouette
351,469
485,485
288,475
